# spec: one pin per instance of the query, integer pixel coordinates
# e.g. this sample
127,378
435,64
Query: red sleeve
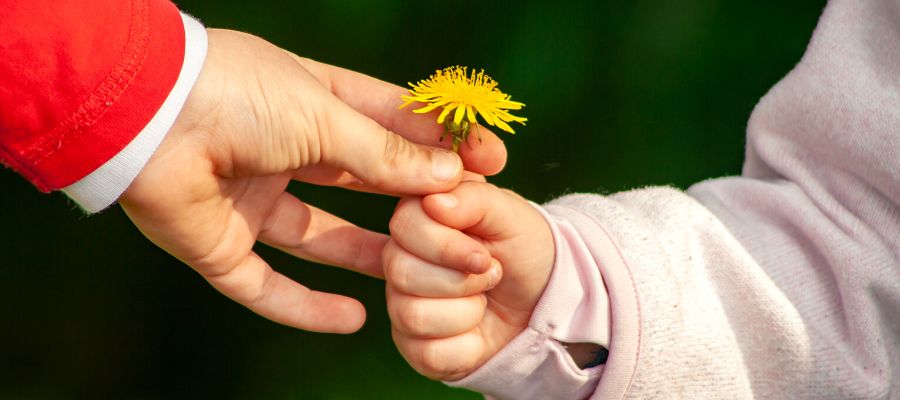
80,79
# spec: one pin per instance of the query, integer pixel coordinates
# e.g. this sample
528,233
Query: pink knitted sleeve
783,283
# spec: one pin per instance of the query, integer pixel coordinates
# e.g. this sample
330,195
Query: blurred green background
619,95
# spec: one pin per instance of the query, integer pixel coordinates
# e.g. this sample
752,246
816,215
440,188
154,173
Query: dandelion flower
463,94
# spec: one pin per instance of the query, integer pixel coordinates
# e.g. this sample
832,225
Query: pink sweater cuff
573,309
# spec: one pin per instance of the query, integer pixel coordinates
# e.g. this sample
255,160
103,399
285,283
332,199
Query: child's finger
412,275
434,318
446,359
418,234
482,209
471,176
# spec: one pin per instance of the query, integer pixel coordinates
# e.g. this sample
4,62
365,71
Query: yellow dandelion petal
407,101
443,115
429,107
504,126
507,117
467,94
470,112
512,105
460,112
484,114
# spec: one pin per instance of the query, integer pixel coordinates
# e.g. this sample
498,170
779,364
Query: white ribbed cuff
103,187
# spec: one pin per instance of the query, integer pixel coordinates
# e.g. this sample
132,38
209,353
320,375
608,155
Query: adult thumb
383,159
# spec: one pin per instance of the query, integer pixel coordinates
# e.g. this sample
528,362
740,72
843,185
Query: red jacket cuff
80,80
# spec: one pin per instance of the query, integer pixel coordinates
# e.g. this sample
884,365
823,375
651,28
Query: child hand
446,322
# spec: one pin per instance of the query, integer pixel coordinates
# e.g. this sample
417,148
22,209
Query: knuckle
262,293
432,361
388,254
438,363
399,222
396,272
395,148
403,220
447,254
404,203
411,316
396,153
315,122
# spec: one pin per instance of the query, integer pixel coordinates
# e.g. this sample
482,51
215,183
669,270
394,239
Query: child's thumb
482,209
512,229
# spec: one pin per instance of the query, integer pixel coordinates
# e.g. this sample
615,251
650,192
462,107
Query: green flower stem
458,133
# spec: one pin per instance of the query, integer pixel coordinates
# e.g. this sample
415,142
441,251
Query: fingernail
446,200
494,274
444,165
476,263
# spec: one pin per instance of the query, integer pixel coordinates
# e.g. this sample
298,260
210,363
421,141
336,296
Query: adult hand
257,118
